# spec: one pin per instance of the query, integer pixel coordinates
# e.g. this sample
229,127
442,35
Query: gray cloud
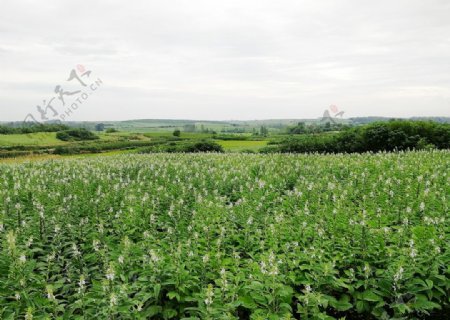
232,59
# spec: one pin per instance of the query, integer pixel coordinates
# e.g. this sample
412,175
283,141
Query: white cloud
209,59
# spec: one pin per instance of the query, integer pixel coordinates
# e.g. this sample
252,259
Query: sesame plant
226,236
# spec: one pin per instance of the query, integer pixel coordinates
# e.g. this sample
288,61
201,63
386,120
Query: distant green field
49,138
32,139
116,136
45,141
240,145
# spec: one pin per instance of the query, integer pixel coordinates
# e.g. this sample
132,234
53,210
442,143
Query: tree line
32,128
380,136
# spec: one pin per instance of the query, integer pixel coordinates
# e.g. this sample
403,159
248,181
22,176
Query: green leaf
156,290
173,294
247,302
151,311
342,305
360,306
371,296
169,313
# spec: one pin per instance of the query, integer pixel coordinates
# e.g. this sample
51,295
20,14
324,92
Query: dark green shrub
66,150
76,135
203,146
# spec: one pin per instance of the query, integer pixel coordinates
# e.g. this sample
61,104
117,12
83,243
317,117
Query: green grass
32,139
49,138
241,145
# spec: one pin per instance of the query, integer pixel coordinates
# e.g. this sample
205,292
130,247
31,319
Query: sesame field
226,236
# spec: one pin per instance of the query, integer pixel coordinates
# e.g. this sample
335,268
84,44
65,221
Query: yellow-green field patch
31,139
241,145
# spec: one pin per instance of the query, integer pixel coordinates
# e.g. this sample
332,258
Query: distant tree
263,131
176,133
189,128
298,129
100,127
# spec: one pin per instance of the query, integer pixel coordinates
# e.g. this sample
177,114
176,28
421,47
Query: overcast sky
245,59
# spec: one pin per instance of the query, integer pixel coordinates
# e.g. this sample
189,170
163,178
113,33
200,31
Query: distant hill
155,125
248,125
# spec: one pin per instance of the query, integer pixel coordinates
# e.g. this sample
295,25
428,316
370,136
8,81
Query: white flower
50,295
22,258
367,270
113,300
263,267
422,206
29,242
95,244
29,314
121,259
110,274
82,282
398,276
153,256
205,259
75,250
209,295
273,271
51,257
17,296
11,240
